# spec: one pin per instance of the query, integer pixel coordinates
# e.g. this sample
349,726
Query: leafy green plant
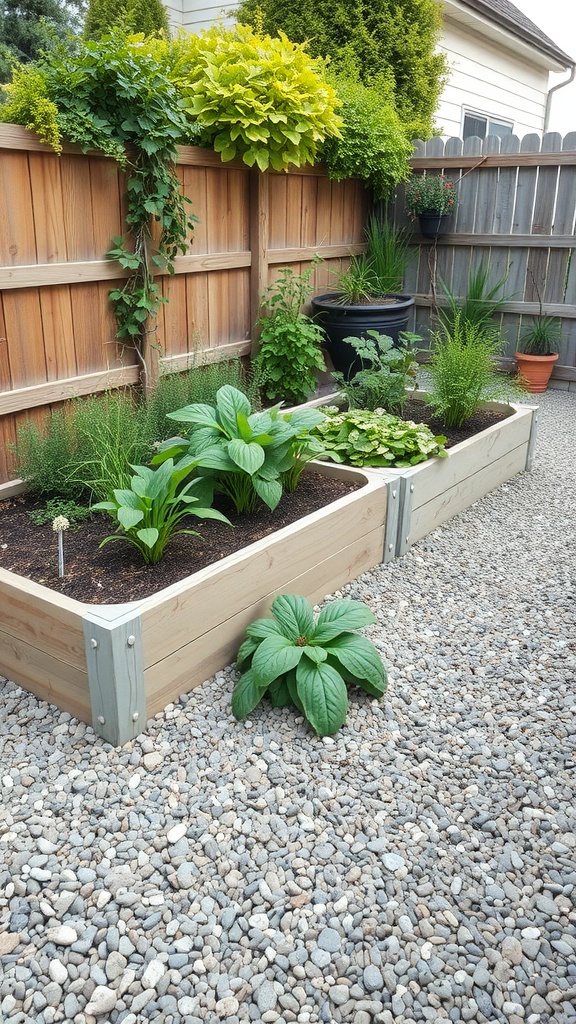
289,353
480,303
357,283
70,510
297,659
359,437
430,193
43,458
462,371
245,452
150,509
146,16
375,144
260,98
387,371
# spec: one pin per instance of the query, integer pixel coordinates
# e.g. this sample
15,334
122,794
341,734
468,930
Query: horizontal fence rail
517,214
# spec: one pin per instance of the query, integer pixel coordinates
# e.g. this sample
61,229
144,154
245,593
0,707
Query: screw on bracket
93,642
393,494
135,716
101,719
131,641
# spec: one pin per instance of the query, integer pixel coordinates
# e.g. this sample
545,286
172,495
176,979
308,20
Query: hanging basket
433,225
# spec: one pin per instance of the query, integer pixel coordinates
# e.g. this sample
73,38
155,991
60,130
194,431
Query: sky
557,18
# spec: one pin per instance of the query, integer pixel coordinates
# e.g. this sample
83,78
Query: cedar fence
516,212
58,216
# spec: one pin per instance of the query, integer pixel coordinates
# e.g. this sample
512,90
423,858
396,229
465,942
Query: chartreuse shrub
362,438
156,500
297,659
262,99
245,453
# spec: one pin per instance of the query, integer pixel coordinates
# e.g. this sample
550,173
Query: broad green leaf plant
246,453
259,98
157,500
297,659
387,372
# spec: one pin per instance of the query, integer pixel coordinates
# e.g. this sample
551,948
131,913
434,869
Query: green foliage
380,271
74,513
28,27
261,99
462,371
198,384
385,40
480,303
430,193
146,16
244,452
543,337
297,659
28,103
362,438
86,447
44,459
389,254
289,354
150,509
374,144
387,371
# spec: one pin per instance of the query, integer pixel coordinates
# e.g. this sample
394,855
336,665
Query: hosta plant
149,511
363,438
246,453
298,659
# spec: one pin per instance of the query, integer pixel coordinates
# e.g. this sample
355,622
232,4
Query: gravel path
419,866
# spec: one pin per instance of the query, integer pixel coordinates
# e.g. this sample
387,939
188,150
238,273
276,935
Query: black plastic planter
434,225
343,321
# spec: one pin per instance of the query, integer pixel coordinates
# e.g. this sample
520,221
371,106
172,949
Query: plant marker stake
59,524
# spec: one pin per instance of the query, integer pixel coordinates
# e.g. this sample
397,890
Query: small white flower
60,523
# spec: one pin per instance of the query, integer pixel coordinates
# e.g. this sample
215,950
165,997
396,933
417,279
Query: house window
482,125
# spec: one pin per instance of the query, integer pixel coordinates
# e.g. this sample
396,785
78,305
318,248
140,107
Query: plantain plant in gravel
298,659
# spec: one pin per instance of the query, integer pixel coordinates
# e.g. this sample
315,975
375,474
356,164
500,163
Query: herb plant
362,438
289,354
462,371
150,509
387,370
297,659
246,453
58,508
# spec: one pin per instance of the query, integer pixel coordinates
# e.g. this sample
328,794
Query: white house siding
194,15
488,79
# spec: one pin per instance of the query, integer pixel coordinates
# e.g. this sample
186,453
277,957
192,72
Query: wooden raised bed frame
114,666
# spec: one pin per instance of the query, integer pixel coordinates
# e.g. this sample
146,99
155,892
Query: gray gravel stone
418,866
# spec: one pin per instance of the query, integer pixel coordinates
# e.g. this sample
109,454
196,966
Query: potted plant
369,295
538,351
432,199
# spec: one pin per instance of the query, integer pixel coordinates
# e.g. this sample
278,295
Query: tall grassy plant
389,253
480,303
463,371
198,384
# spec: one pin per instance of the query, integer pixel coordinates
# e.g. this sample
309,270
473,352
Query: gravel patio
419,866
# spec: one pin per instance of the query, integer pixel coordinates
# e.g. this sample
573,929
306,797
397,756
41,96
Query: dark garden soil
116,572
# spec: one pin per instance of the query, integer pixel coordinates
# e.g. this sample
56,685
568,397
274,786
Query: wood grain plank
23,327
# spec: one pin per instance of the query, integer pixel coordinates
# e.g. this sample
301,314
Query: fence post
259,202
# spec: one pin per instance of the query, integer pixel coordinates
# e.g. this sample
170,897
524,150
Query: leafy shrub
289,353
259,98
362,438
145,16
373,145
150,509
387,371
29,103
462,371
298,660
246,453
43,459
75,514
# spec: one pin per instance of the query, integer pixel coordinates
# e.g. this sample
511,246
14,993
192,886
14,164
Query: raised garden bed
115,665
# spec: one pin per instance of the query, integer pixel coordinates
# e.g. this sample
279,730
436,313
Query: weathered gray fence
516,212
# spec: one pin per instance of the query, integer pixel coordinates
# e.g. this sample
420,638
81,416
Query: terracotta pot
536,370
